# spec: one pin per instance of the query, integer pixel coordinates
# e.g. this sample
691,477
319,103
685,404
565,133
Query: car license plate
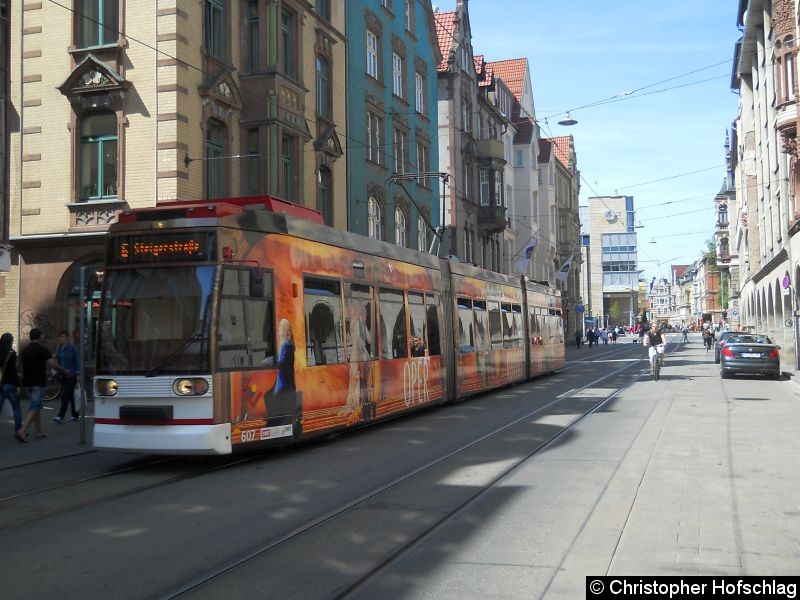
751,355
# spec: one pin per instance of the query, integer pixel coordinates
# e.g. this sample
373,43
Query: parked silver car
750,353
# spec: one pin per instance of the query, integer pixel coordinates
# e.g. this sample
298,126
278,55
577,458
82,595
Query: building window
400,229
499,188
518,159
216,156
324,195
466,116
375,136
387,4
400,150
215,28
374,224
410,16
419,93
784,69
324,9
422,235
485,187
423,162
289,43
98,22
372,55
397,75
98,157
253,62
288,167
323,88
253,162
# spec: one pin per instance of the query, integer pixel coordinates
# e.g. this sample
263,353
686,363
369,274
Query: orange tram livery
233,324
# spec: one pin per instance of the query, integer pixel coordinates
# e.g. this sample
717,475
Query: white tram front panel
135,413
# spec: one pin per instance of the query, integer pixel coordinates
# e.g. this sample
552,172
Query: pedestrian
590,336
36,359
578,338
685,331
9,380
68,357
604,335
614,335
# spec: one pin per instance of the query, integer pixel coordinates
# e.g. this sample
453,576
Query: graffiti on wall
29,319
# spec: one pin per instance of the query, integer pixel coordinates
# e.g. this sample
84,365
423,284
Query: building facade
766,171
613,264
121,104
393,150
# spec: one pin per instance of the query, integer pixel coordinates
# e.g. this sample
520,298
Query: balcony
490,149
492,218
786,117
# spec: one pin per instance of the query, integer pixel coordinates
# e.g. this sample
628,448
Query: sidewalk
62,440
690,475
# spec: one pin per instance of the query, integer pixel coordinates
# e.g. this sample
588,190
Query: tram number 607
415,381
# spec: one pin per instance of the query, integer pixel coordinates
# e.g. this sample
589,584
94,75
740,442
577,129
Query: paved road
688,475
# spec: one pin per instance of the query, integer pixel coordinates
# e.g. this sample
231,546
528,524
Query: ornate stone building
118,105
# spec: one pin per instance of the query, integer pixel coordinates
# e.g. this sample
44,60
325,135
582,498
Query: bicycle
657,361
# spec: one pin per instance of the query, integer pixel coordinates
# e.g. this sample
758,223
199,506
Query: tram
246,322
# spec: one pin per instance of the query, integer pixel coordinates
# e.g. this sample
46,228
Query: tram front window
155,320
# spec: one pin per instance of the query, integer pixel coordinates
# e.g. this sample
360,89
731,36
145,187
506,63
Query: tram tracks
20,508
310,539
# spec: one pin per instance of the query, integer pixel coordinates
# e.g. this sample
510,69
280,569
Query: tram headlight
106,387
196,386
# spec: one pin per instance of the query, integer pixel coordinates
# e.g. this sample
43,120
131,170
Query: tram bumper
164,439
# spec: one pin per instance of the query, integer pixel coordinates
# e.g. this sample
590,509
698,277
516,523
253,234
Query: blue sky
585,51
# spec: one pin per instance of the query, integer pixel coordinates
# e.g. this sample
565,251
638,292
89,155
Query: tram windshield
155,320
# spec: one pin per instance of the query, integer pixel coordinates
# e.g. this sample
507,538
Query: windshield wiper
181,348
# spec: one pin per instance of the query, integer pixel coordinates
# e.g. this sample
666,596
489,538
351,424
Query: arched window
400,229
323,88
374,225
216,153
324,198
98,157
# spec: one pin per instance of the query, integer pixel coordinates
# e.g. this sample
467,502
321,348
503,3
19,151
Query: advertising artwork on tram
226,326
350,341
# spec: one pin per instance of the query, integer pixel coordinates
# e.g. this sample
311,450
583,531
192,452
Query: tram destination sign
162,247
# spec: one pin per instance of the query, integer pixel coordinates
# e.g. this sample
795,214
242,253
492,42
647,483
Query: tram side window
508,324
495,325
432,324
393,314
481,326
466,327
512,325
322,302
416,323
360,324
246,332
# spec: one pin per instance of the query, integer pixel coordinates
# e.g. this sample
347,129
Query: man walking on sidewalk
68,357
35,359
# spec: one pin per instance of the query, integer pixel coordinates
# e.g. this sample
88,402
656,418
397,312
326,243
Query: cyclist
655,342
708,338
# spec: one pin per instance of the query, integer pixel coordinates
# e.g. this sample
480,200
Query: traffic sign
579,308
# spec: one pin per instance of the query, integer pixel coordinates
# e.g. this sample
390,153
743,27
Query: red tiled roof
680,270
512,72
445,30
563,145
